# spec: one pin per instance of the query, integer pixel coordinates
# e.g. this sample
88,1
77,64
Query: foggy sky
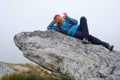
29,15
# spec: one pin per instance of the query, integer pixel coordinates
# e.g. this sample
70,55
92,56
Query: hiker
69,26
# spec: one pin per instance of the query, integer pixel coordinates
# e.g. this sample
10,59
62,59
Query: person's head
59,19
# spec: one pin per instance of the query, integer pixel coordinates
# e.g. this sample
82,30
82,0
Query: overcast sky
30,15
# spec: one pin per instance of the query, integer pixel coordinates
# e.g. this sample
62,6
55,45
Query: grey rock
5,69
65,55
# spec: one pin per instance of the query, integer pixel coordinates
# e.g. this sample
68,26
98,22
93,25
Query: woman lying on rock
69,26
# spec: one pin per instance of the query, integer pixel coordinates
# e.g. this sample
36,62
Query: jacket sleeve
51,25
71,20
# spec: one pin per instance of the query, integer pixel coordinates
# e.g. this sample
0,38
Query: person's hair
56,16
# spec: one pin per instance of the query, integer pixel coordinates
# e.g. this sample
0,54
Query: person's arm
51,25
73,21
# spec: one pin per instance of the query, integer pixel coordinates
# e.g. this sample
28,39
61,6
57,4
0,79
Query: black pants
83,32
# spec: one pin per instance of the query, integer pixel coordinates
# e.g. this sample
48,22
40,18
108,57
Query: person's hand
65,14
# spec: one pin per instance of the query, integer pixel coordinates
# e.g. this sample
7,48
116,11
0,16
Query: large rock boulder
68,56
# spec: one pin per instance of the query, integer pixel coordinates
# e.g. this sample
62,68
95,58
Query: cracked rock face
63,54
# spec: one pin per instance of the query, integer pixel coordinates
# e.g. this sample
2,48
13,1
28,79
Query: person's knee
83,19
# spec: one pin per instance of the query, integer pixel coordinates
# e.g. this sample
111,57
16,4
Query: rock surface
66,55
5,69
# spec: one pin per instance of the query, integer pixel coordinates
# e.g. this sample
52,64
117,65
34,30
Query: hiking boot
85,41
110,47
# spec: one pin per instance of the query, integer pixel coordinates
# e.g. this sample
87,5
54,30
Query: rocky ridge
26,69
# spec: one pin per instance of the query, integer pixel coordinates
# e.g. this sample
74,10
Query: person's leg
83,27
78,35
95,40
